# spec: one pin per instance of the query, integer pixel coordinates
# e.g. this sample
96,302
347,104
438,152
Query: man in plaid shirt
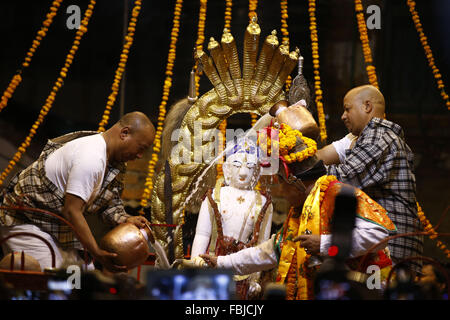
76,174
381,164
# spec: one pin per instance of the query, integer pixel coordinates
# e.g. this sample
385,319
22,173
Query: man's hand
311,243
106,259
210,260
138,221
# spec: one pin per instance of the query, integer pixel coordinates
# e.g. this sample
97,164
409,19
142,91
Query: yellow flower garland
252,6
315,56
429,54
51,98
285,32
287,141
429,228
162,107
200,40
362,27
17,78
223,125
228,7
121,67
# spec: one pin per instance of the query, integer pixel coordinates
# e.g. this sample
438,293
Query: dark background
412,97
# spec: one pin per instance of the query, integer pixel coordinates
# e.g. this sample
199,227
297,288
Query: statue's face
241,170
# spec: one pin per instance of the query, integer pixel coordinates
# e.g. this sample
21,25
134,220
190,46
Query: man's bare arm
328,154
73,211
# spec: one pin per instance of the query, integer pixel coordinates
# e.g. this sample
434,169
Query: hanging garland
162,107
315,56
429,54
228,7
362,27
121,68
51,97
200,40
223,124
429,228
285,32
252,6
17,78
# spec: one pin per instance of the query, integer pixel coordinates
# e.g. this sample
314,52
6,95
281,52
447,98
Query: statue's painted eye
251,165
237,163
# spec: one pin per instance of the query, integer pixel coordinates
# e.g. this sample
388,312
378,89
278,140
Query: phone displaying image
191,284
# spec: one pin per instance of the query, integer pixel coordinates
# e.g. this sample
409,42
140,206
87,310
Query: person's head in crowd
431,275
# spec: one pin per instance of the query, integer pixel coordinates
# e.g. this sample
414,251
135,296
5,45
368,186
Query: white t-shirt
342,145
79,166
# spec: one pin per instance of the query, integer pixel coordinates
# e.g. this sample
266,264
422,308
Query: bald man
76,174
376,159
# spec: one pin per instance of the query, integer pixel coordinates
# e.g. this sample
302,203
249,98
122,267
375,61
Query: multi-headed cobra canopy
254,89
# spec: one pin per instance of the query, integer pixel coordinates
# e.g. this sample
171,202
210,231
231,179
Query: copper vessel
21,261
129,242
296,116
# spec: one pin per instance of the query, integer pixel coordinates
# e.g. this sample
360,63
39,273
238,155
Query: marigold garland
429,54
51,98
17,78
287,141
428,227
315,56
228,10
200,40
223,125
121,67
162,107
362,27
252,6
285,32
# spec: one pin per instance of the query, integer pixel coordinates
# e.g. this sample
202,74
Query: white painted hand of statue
254,288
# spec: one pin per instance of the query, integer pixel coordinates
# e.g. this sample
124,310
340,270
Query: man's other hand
138,221
106,259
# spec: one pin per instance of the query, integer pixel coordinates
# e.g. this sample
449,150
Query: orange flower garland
51,98
362,27
287,141
162,107
429,228
252,6
315,56
121,68
200,39
223,125
228,6
285,32
17,78
428,52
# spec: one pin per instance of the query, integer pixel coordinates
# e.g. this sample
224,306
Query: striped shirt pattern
381,164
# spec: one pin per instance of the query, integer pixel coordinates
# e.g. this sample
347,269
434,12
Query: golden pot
130,244
29,263
297,117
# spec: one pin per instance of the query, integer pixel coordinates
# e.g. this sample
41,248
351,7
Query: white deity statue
235,216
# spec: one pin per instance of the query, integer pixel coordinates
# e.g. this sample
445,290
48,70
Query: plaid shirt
381,164
32,188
